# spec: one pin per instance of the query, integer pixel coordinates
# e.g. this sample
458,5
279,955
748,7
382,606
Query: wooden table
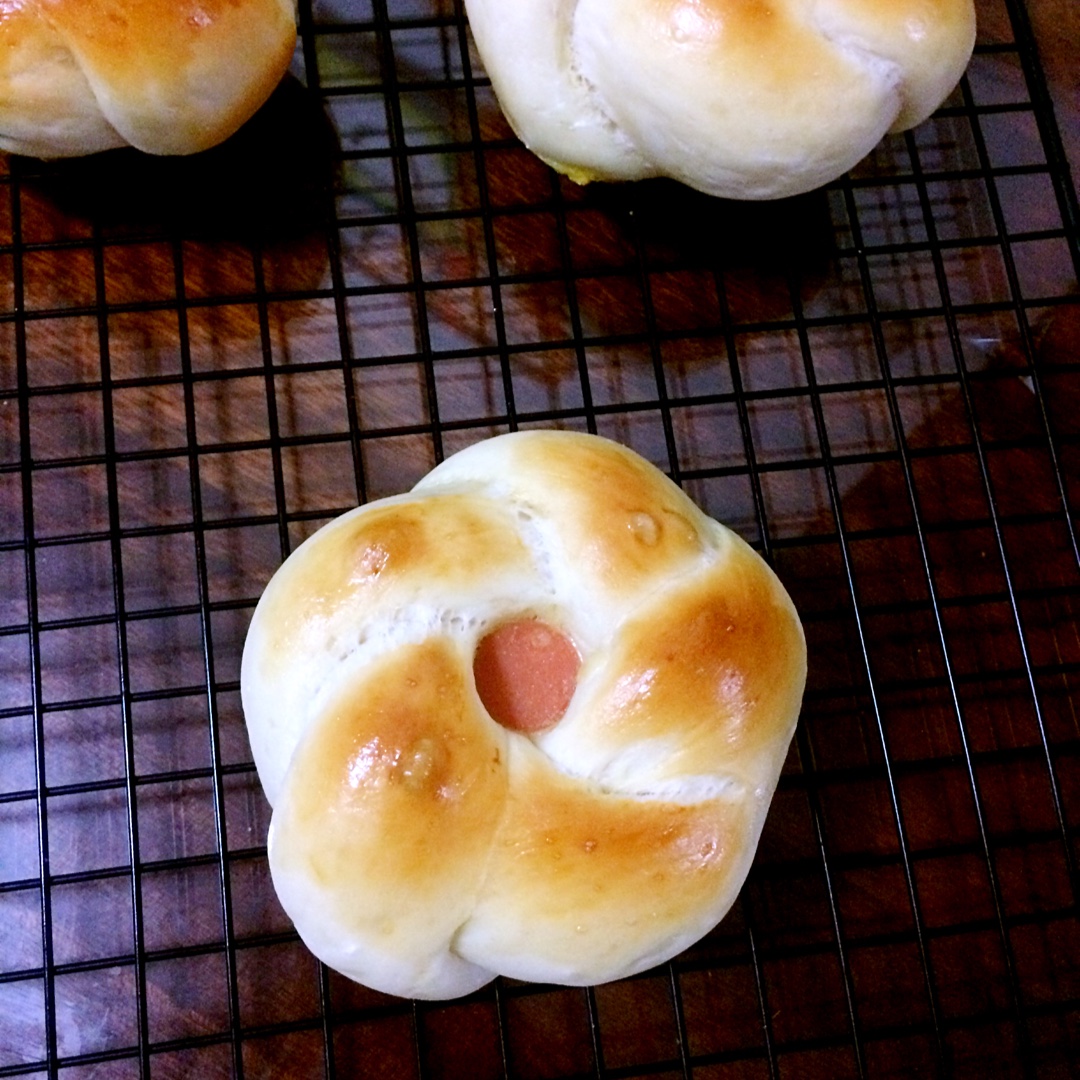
201,361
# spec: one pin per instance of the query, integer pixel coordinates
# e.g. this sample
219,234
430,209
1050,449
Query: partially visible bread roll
746,99
429,833
166,76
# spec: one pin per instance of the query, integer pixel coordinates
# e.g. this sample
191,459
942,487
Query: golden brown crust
47,107
738,31
169,76
617,521
392,802
710,662
421,848
592,873
618,525
394,549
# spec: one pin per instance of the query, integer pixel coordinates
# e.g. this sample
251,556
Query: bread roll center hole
526,671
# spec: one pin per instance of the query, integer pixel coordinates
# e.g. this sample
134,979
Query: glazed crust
166,76
421,848
747,99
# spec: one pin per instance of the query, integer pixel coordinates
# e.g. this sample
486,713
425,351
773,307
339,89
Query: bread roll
746,99
420,846
166,76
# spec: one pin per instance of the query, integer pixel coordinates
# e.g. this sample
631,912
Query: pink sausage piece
525,674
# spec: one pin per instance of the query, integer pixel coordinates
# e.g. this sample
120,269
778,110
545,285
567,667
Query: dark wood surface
201,361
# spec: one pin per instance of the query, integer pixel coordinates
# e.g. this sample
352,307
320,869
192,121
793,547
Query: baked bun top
166,76
746,99
420,846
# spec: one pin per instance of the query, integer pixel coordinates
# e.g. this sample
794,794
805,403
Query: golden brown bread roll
746,99
420,846
166,76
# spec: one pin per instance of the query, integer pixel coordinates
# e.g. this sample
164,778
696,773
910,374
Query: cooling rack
876,384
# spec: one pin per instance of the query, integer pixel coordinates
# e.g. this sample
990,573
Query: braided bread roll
166,76
746,99
420,846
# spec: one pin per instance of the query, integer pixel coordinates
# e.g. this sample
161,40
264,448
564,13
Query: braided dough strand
166,76
745,99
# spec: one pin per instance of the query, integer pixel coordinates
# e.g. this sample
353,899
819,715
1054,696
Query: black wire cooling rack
877,384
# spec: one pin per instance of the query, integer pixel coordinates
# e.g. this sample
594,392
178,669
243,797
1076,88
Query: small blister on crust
396,570
704,672
387,817
617,524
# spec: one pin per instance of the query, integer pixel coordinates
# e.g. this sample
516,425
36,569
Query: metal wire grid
203,361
